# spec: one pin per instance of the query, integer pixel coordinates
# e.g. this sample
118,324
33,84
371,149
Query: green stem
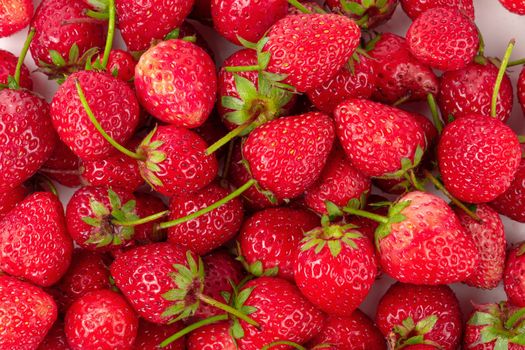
111,33
500,76
366,214
23,54
232,311
227,138
481,51
299,6
99,128
104,16
235,69
516,63
412,179
435,115
521,138
283,342
401,100
141,221
192,327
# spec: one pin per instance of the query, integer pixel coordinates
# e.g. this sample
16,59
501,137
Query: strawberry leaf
426,325
57,58
352,7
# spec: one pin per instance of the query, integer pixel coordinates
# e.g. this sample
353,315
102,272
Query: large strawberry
63,166
512,202
10,198
410,314
287,155
213,336
150,335
27,314
15,15
176,82
34,241
443,38
478,158
514,6
367,14
8,63
414,8
514,276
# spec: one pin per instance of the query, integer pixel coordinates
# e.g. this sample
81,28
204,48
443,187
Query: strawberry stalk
283,342
499,79
516,63
236,69
434,111
299,6
227,308
358,212
191,328
103,16
14,82
141,221
228,137
111,33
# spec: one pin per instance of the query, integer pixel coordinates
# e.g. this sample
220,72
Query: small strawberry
63,166
176,82
15,15
147,205
410,314
478,158
121,65
367,14
268,240
521,89
150,335
512,202
414,8
27,314
10,198
55,338
101,320
8,63
514,276
514,6
34,241
211,337
443,38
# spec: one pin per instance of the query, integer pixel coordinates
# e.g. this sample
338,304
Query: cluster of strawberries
272,238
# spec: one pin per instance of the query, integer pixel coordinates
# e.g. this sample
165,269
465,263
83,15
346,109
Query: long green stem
516,63
299,6
236,69
435,114
283,342
227,308
99,128
227,138
206,210
141,221
97,15
499,79
23,54
111,33
192,327
366,214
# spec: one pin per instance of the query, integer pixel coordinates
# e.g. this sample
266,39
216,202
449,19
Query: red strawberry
63,166
212,337
443,38
27,314
514,276
514,6
10,198
335,268
147,205
521,89
489,236
414,8
101,320
286,155
411,314
478,158
141,23
379,140
150,335
310,49
8,63
268,240
15,15
356,331
512,202
121,64
209,231
367,14
34,241
469,91
176,82
249,20
55,338
400,75
116,110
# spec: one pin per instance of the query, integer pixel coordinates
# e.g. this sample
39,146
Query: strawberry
176,82
443,38
521,89
63,166
15,15
478,158
512,202
367,14
8,63
95,216
348,272
101,320
414,8
286,155
121,64
211,337
514,276
269,239
209,231
147,205
27,314
116,110
249,19
55,338
356,331
410,314
379,140
34,241
514,6
10,198
142,23
469,91
489,236
150,335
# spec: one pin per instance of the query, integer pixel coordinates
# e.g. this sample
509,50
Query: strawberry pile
258,203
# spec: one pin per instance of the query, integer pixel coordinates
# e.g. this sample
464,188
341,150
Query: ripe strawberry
116,110
15,15
287,155
211,337
249,20
10,198
147,205
514,276
512,202
8,63
176,82
55,338
268,240
379,140
478,158
399,74
410,314
142,23
94,216
443,38
150,335
27,314
121,65
414,8
356,331
521,89
63,166
514,6
209,231
367,14
469,91
101,320
34,241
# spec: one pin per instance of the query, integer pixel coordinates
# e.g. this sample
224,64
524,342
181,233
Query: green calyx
151,157
410,333
407,164
61,67
238,301
256,268
394,216
364,9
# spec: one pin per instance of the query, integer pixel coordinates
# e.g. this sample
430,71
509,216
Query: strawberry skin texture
514,276
478,158
150,335
377,137
8,63
514,6
147,205
287,155
63,166
512,202
311,49
176,82
27,314
521,89
55,338
27,137
371,17
34,240
469,91
123,63
443,38
413,8
101,320
212,337
14,15
10,198
419,302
